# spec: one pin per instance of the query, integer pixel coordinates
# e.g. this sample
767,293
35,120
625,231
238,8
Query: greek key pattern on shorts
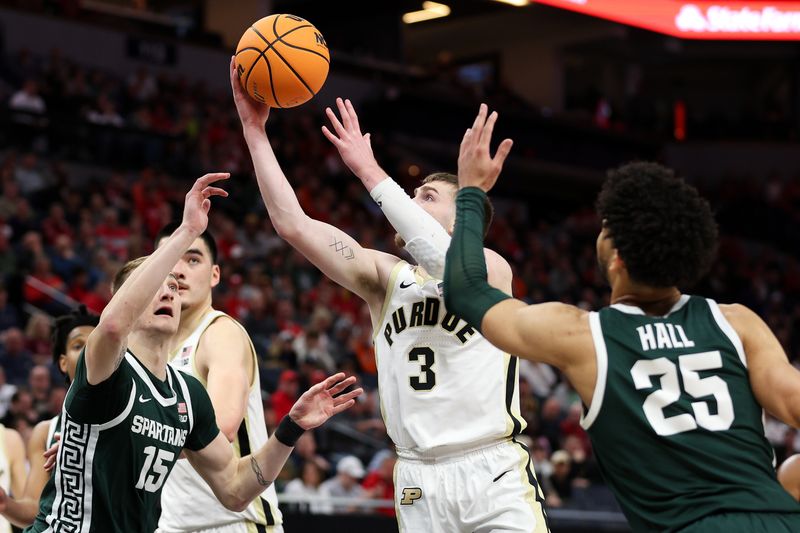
72,458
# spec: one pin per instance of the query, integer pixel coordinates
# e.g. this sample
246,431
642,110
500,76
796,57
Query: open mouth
164,311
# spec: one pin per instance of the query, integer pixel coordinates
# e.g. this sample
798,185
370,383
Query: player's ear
62,363
215,275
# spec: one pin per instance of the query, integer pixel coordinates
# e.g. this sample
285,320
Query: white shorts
238,527
490,489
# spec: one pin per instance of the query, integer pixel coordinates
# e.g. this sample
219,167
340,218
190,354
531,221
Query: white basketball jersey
5,477
443,387
187,502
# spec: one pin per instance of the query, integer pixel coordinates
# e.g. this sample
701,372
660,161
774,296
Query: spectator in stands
287,393
37,338
6,393
9,315
379,483
39,386
349,470
21,415
308,486
41,291
560,481
28,99
14,358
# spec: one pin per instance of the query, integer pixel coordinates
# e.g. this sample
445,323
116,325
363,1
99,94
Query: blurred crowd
65,228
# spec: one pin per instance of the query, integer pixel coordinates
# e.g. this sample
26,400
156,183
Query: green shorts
746,523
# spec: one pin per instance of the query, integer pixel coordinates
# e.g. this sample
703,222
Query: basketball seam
262,55
270,47
280,38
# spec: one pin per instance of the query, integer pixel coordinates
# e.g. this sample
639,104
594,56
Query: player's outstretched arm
22,511
237,481
548,332
106,344
330,249
775,382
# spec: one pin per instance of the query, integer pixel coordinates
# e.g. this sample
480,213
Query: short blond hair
125,272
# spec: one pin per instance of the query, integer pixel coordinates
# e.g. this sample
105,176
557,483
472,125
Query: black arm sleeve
467,292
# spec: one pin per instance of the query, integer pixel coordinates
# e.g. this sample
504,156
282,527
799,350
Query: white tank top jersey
443,387
187,502
5,477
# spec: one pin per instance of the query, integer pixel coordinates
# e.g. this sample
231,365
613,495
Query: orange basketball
282,60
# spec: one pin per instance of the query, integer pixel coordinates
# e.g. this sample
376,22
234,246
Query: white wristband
426,240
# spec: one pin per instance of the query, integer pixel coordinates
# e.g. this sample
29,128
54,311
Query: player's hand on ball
252,114
354,147
321,402
476,166
198,201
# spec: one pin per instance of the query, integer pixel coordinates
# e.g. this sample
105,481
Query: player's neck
190,319
653,301
152,349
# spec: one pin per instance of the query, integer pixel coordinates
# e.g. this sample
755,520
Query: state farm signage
697,20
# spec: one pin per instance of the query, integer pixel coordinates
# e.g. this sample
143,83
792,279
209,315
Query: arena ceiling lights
429,11
721,20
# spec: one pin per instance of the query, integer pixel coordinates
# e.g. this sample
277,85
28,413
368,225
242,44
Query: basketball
282,60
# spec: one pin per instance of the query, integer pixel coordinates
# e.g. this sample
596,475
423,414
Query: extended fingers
205,181
480,120
488,128
345,114
351,112
331,137
342,385
337,126
503,151
214,191
344,398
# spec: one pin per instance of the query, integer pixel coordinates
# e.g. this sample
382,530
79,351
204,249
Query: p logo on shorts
410,495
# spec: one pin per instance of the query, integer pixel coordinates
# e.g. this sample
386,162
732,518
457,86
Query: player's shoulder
14,444
496,261
225,324
741,317
193,385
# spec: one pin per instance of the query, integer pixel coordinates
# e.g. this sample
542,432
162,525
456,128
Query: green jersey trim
633,310
140,370
728,330
73,478
601,355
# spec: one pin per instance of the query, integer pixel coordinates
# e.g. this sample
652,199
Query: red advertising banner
733,20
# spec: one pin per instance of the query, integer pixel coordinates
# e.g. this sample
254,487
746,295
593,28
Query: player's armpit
775,382
225,359
499,273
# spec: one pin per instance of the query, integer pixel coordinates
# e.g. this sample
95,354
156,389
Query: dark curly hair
66,323
662,228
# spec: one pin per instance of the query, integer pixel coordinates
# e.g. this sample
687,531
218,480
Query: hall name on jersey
156,430
426,314
663,335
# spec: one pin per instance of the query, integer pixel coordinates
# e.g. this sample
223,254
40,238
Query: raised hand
198,201
318,404
252,114
476,166
353,146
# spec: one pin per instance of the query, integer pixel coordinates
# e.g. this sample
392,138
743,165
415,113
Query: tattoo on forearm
259,476
342,248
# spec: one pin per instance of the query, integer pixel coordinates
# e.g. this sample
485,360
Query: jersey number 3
670,392
426,358
156,458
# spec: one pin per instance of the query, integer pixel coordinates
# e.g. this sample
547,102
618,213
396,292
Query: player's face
164,312
196,274
76,340
438,198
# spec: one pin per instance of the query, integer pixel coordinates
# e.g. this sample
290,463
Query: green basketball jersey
119,441
676,429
